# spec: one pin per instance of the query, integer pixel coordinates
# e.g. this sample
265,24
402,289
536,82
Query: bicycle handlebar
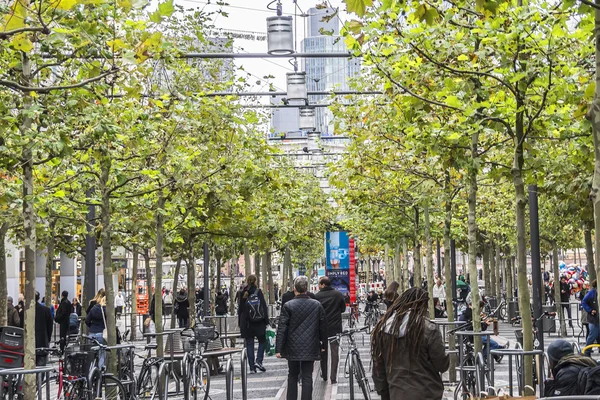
348,332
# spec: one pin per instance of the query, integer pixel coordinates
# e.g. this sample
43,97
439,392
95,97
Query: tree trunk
105,235
472,238
134,276
589,252
556,271
263,283
148,275
492,269
429,260
417,266
29,242
287,268
270,279
257,268
247,262
448,273
219,257
158,309
522,284
389,274
486,270
507,274
498,270
175,290
3,289
398,266
405,274
50,263
191,282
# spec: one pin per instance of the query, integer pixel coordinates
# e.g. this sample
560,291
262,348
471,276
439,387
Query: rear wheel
200,383
350,371
148,382
74,390
113,389
361,376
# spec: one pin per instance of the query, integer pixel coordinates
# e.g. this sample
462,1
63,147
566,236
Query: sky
251,15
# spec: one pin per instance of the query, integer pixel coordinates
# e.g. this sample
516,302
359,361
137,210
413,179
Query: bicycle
147,381
353,316
102,384
499,312
196,372
371,315
353,367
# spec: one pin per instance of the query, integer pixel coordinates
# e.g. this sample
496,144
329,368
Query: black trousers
567,308
334,349
295,367
63,332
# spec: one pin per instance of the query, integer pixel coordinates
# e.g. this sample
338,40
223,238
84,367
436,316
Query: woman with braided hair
408,351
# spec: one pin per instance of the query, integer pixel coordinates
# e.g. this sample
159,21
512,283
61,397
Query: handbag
105,331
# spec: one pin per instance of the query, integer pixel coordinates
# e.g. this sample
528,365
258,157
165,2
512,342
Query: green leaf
590,90
358,6
166,9
21,42
463,57
59,193
453,101
430,16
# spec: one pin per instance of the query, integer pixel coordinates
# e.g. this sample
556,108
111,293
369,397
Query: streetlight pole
205,269
536,269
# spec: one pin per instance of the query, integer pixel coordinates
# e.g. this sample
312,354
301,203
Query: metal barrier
229,379
244,368
520,363
13,390
444,326
466,369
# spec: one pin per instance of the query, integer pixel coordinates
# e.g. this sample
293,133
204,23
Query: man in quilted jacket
301,338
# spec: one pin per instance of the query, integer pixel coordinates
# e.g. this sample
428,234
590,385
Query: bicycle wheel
74,390
503,313
113,389
147,382
361,376
347,366
200,383
350,375
129,383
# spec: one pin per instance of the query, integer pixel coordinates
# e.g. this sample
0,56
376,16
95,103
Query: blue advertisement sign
337,256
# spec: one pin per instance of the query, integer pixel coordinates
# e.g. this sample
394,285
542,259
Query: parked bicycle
196,372
353,367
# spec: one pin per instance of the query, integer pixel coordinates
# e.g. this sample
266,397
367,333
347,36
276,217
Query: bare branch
16,86
7,34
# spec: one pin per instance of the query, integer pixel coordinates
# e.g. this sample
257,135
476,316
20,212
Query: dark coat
589,304
567,376
13,318
77,309
412,377
289,295
302,330
92,304
152,307
183,307
334,305
43,325
21,310
252,329
221,304
63,312
95,320
564,297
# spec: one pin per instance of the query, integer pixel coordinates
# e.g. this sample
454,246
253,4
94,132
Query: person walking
182,307
440,292
101,293
96,322
221,304
590,305
565,297
168,299
301,338
76,306
12,314
63,313
290,294
21,309
334,305
43,328
408,351
119,304
253,318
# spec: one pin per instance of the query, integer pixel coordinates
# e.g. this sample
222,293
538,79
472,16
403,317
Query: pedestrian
253,318
12,314
391,294
152,310
439,311
119,304
96,322
43,328
101,293
565,297
590,305
21,310
182,309
566,370
221,304
334,305
408,351
301,338
63,313
289,295
76,306
439,291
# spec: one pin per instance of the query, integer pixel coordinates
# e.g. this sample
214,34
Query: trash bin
513,309
548,323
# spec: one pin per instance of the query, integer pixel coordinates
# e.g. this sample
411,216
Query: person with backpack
221,304
590,305
567,370
253,319
62,318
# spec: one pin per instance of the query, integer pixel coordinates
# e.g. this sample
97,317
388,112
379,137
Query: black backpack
255,310
589,381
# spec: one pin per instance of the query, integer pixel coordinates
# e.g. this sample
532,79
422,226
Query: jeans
183,322
295,367
101,353
592,337
250,349
493,345
568,308
334,348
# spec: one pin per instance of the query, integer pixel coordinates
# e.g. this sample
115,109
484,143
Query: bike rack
19,372
244,368
463,369
229,379
480,374
520,354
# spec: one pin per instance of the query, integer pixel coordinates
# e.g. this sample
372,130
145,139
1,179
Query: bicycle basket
78,363
204,334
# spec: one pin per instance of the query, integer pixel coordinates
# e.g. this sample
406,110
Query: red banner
352,271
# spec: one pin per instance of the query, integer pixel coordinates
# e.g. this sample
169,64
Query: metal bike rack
229,379
40,372
244,368
519,355
464,369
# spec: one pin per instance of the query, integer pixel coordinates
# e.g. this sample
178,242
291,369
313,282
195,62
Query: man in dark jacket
301,338
43,328
12,314
289,295
62,318
567,370
334,305
565,296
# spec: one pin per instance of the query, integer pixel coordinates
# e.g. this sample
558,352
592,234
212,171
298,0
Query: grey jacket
412,378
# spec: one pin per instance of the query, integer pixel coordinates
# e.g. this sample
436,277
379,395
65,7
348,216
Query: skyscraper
325,74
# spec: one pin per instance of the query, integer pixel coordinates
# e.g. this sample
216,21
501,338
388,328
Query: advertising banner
337,255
